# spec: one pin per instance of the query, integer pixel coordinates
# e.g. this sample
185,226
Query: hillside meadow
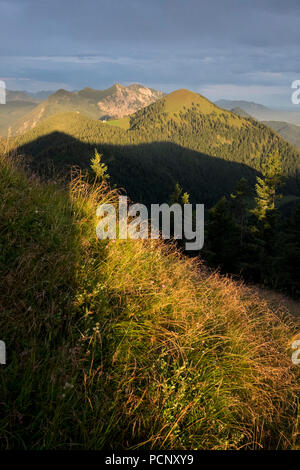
129,344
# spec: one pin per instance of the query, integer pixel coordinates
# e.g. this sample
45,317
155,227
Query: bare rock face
128,100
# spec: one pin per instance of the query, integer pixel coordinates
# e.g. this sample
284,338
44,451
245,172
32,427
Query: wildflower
68,385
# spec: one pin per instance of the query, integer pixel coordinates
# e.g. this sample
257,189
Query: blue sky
233,49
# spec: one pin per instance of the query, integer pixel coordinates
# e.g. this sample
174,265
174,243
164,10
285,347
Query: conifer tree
99,168
185,198
265,237
267,187
175,196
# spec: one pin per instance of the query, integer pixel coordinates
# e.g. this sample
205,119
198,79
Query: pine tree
185,198
266,187
175,196
99,168
264,228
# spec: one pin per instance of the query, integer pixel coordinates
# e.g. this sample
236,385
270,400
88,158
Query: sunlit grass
129,344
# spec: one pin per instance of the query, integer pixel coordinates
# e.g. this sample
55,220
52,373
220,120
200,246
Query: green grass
180,99
128,344
123,123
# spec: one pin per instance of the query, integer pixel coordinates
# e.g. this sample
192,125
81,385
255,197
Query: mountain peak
61,93
181,99
118,86
87,88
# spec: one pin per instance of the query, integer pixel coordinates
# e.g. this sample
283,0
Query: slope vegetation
18,104
290,132
129,344
117,101
11,112
262,113
182,138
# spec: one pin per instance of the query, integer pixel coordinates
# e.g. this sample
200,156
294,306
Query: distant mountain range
240,112
290,132
24,110
16,96
18,104
182,137
262,113
248,106
201,139
114,102
285,123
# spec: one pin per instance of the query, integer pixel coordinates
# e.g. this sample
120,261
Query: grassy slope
84,102
180,98
74,125
12,112
60,102
178,101
89,102
123,123
290,132
128,344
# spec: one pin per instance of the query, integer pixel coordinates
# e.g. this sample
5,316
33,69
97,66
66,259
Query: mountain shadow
148,171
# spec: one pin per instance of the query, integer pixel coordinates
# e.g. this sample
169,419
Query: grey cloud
191,43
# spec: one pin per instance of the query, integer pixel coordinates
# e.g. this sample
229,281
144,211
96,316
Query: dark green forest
217,157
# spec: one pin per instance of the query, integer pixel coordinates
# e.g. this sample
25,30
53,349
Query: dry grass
128,344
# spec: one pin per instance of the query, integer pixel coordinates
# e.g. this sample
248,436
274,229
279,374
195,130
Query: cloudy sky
236,49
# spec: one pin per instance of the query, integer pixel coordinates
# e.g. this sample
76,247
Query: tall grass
129,344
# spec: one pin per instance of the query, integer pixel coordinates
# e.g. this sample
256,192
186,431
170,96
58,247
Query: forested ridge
180,138
215,156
